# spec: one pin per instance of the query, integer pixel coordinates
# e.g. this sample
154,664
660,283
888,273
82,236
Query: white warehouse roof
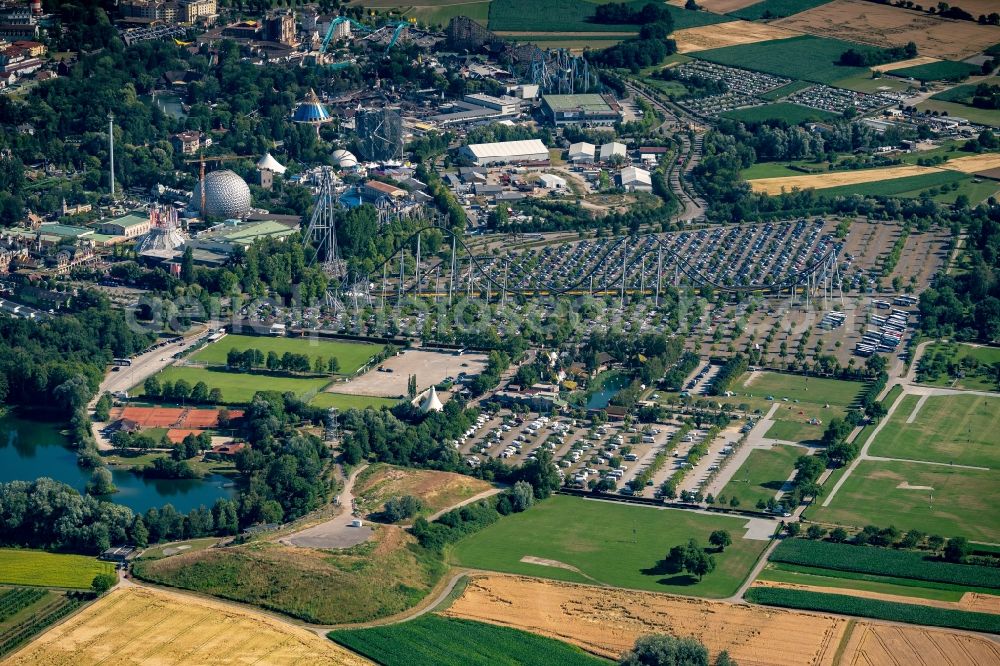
582,150
610,149
507,148
635,175
553,182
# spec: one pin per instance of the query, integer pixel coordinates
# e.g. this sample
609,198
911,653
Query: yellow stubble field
732,33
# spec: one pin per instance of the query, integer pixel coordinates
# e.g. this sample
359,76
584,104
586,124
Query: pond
601,398
32,449
169,103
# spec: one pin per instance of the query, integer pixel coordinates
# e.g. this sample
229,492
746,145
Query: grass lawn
793,114
345,401
960,429
352,355
817,390
772,572
963,94
239,387
776,9
943,70
983,116
535,16
785,90
807,58
779,169
178,548
961,503
614,544
432,640
955,353
906,186
809,399
37,567
863,82
762,474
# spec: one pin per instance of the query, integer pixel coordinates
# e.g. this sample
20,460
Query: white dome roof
345,159
226,195
268,162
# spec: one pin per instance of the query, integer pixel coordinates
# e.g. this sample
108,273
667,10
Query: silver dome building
226,195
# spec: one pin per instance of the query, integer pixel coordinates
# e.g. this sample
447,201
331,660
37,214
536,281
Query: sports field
351,355
806,57
586,541
805,404
960,429
793,114
239,387
432,640
345,401
136,625
37,567
936,499
762,474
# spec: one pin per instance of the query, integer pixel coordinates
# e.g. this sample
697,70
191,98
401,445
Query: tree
102,410
957,549
734,501
187,265
522,496
934,542
720,539
411,386
103,582
399,508
697,561
333,365
199,392
663,650
838,535
815,532
101,482
793,529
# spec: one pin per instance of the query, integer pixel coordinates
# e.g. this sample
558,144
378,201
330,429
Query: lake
32,449
601,398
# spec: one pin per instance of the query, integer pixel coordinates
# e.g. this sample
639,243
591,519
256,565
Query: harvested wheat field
981,603
970,601
974,163
718,6
835,178
135,625
903,64
882,25
732,33
891,645
435,490
607,621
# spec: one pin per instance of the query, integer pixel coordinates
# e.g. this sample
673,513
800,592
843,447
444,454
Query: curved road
338,531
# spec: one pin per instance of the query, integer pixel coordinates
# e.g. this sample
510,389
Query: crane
202,158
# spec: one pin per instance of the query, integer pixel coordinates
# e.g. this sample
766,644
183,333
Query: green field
537,16
910,186
351,355
345,401
808,399
960,429
609,543
771,9
818,390
37,567
955,353
785,90
441,14
863,82
239,387
961,503
982,116
807,58
782,573
781,169
793,114
432,640
963,94
762,474
943,70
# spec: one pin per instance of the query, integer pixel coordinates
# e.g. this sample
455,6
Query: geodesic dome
226,195
345,159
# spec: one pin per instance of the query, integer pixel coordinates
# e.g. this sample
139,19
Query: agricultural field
772,9
726,34
717,6
793,114
883,644
762,474
959,429
938,499
903,64
435,490
351,355
138,625
790,574
942,186
963,94
610,544
782,169
882,25
27,611
833,179
943,70
377,578
344,401
441,14
432,640
37,567
574,16
239,387
805,57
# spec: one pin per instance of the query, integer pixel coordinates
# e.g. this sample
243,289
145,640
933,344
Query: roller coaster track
600,266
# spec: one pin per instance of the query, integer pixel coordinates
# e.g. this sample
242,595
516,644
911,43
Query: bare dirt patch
979,602
882,25
542,562
892,645
430,367
903,64
149,626
906,486
836,178
436,490
732,33
607,621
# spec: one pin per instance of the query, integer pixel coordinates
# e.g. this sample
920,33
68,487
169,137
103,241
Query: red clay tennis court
174,417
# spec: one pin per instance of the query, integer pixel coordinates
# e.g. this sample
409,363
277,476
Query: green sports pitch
763,474
239,387
351,355
621,545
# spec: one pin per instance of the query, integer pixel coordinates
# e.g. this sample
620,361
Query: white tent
270,164
428,401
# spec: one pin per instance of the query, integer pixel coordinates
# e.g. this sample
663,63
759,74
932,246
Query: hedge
884,562
874,608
